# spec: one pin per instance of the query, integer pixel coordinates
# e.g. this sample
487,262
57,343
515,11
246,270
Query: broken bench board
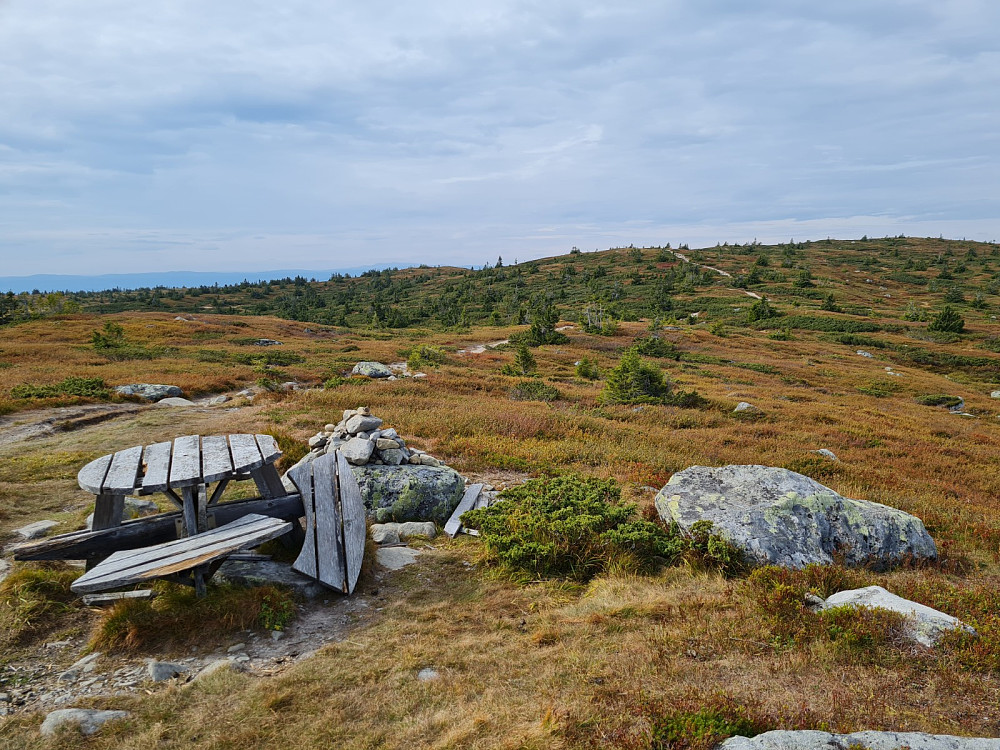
129,567
336,530
142,532
454,524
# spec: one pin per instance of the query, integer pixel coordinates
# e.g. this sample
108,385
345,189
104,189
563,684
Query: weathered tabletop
187,465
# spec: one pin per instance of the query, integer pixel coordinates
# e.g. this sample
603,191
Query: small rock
357,451
995,394
427,674
395,558
826,452
808,739
391,433
174,401
36,530
362,423
236,647
392,457
85,665
386,444
277,635
744,406
149,391
329,427
87,720
385,533
217,665
924,624
216,400
863,353
164,670
317,441
412,529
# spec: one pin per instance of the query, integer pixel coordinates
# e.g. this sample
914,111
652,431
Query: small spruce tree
635,381
947,321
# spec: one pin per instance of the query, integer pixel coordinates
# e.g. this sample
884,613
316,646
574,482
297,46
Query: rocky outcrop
807,739
778,517
149,391
925,625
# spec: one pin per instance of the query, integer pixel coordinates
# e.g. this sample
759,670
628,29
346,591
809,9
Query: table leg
108,511
199,581
189,512
202,508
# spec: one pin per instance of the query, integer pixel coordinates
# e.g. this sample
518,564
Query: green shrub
534,390
654,346
111,343
879,388
704,728
269,358
785,334
761,310
947,321
587,369
940,399
334,381
568,527
71,386
423,356
634,381
577,527
822,323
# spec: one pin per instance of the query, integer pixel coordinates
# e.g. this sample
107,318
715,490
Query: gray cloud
184,134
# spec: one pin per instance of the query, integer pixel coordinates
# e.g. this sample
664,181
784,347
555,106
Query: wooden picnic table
183,470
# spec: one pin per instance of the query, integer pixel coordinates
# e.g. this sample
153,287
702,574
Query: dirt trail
481,348
715,270
47,422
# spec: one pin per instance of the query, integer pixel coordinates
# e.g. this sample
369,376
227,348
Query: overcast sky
183,134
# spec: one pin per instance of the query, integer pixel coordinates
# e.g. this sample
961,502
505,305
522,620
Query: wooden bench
191,560
336,526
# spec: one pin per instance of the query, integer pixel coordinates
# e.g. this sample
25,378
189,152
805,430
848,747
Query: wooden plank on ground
269,449
156,457
216,463
329,545
454,524
163,560
105,600
185,465
246,454
306,561
91,476
352,508
123,472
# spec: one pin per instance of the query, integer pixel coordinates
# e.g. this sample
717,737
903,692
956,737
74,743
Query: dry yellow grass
550,666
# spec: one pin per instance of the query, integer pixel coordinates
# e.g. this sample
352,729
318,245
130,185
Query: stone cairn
360,437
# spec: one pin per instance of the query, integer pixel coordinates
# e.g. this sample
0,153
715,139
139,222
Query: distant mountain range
46,282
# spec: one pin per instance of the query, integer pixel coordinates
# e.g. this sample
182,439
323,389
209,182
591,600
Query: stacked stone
360,437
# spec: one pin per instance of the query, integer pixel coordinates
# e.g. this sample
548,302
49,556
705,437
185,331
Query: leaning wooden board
129,567
454,524
334,546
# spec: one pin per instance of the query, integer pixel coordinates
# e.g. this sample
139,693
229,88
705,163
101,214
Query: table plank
185,465
91,476
135,566
123,472
329,546
268,448
157,460
216,463
454,524
246,454
352,508
302,478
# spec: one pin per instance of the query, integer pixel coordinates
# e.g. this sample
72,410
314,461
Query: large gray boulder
149,391
808,739
408,492
924,624
778,517
372,370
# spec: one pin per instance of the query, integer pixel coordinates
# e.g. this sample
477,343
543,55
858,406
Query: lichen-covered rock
808,739
372,370
923,624
778,517
149,391
409,493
